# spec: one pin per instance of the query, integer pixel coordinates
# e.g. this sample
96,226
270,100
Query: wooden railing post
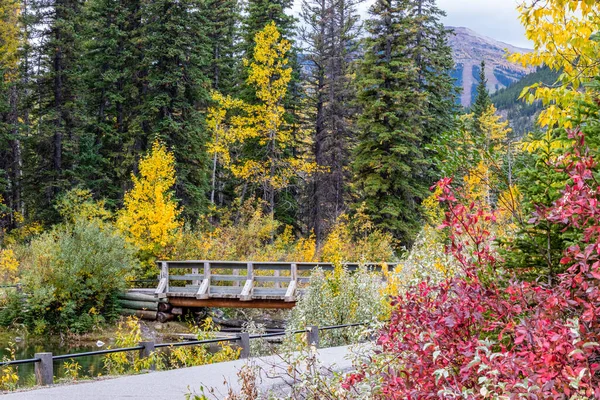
148,349
163,281
290,294
204,290
312,336
244,343
44,369
195,272
246,294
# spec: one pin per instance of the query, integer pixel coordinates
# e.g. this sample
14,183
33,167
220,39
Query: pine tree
403,107
330,32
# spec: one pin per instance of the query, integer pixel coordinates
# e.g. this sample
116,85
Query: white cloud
497,19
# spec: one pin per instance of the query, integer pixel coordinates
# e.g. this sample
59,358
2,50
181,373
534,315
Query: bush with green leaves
76,272
337,298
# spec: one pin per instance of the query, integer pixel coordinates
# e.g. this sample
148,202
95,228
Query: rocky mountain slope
469,49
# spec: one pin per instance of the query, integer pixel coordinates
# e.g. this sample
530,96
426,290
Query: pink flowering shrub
470,337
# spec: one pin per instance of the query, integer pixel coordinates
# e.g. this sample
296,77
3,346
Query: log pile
144,305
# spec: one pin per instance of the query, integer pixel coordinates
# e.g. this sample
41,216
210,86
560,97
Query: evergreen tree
222,29
330,33
10,146
482,101
402,109
57,100
175,92
112,76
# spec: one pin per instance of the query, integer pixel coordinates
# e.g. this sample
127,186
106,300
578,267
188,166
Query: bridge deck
205,283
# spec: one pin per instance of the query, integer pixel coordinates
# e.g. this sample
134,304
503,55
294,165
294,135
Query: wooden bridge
239,284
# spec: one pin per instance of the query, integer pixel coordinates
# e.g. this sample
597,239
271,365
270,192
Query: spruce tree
10,145
57,102
112,73
175,92
482,101
403,107
330,33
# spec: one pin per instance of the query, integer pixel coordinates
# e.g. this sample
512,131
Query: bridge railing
44,362
241,280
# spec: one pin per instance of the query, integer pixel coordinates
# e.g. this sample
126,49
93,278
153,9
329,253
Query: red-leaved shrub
470,337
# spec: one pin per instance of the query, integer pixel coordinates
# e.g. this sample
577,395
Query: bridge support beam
228,303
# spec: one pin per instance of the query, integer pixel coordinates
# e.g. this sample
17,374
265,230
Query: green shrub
75,274
338,298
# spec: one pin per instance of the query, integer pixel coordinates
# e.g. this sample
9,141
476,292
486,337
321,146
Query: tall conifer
402,108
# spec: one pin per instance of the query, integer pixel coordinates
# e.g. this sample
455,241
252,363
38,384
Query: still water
90,366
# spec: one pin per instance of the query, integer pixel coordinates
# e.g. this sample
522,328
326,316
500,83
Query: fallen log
142,314
164,307
164,317
136,296
139,305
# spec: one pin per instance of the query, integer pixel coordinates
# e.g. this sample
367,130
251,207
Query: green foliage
536,249
521,114
482,99
75,274
396,92
336,298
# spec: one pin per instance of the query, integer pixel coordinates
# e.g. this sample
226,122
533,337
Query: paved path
175,384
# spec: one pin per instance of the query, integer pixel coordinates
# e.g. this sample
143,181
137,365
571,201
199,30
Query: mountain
522,116
469,48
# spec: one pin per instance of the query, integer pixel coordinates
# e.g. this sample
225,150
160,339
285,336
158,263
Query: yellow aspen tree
564,33
9,37
260,126
150,216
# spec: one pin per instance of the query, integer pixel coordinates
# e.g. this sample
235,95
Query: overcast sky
497,19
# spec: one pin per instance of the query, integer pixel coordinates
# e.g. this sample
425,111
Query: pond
90,365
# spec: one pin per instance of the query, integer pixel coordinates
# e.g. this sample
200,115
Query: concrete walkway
176,383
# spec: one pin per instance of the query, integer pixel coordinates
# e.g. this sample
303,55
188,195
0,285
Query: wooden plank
184,289
236,272
227,278
197,278
204,289
272,278
165,274
246,294
258,291
290,293
216,290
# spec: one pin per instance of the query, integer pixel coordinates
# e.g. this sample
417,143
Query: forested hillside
521,114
